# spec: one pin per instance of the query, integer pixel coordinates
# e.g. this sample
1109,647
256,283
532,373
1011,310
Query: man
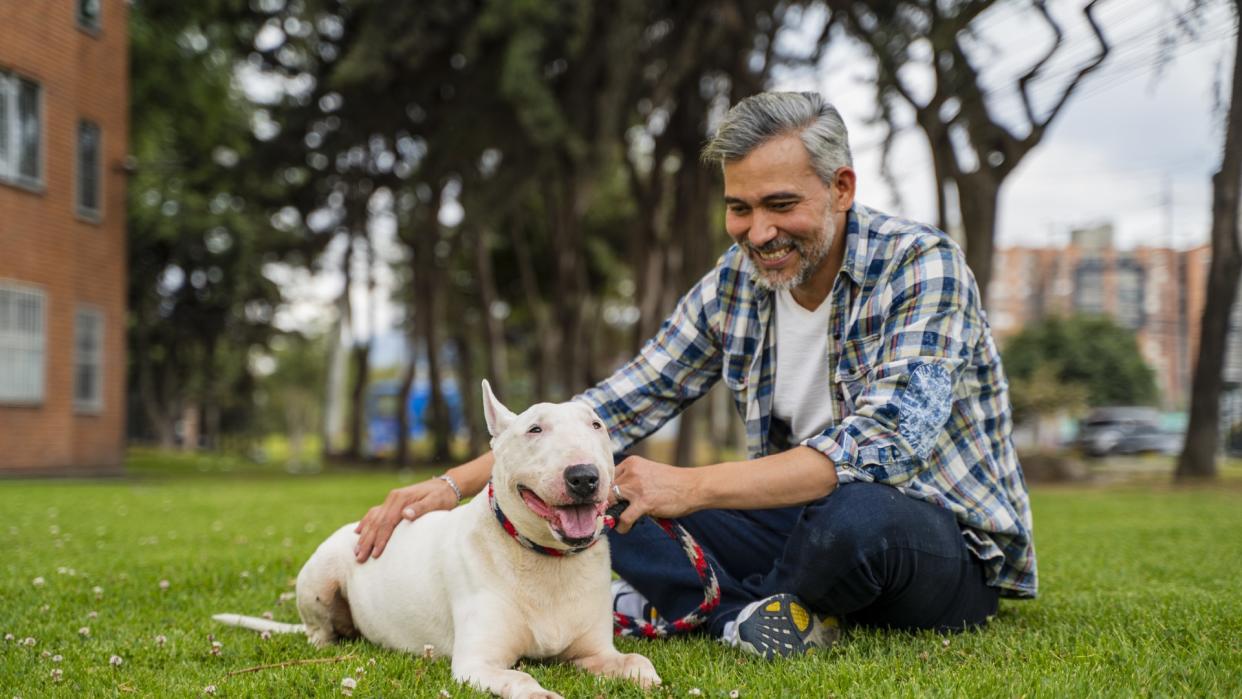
882,487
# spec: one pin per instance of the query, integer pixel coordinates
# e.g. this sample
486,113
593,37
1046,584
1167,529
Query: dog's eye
596,424
534,429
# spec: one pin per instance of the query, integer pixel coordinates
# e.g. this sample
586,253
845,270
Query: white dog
489,593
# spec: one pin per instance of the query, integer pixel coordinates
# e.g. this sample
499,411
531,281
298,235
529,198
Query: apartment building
1157,292
64,102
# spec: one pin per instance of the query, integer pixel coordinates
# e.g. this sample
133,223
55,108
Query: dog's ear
497,415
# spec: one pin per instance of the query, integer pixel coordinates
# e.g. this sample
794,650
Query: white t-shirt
803,380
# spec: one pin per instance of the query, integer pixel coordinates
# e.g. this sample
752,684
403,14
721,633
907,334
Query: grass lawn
1141,594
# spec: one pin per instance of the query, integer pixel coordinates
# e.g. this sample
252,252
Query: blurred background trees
522,176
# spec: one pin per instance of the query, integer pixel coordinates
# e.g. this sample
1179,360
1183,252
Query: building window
20,131
88,360
88,14
21,344
90,175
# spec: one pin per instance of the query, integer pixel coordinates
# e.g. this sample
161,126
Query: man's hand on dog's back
414,501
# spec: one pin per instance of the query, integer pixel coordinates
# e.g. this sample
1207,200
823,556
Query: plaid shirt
920,401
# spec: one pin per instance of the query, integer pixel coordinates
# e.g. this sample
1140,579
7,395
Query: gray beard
810,255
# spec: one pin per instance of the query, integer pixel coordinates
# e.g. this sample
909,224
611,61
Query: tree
197,295
1091,352
973,150
1198,457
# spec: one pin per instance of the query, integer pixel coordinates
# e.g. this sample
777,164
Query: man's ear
497,415
844,181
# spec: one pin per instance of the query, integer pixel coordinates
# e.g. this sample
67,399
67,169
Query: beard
811,253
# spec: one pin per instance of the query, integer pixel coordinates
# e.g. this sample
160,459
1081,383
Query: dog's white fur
458,582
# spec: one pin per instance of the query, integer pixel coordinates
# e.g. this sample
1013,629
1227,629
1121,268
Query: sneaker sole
783,627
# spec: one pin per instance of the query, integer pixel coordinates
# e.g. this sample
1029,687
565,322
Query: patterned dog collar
538,548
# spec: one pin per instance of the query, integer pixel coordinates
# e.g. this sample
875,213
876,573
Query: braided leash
623,624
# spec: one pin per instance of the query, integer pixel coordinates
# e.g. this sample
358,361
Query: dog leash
626,625
623,624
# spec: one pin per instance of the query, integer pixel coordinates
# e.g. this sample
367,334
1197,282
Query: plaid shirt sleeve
905,398
674,368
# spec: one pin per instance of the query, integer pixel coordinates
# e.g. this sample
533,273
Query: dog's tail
254,623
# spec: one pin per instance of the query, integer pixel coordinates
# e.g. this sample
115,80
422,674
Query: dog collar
505,524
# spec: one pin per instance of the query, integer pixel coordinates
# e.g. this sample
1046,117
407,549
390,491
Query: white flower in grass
9,637
164,584
85,632
46,654
160,640
57,658
29,641
45,608
371,662
429,651
268,616
734,694
347,686
209,689
216,647
53,530
444,694
286,596
695,692
116,661
98,592
265,635
92,614
38,582
57,674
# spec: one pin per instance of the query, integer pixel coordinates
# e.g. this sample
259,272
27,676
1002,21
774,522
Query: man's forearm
793,477
473,475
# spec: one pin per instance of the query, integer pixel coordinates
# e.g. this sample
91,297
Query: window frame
10,169
85,23
13,340
96,214
94,404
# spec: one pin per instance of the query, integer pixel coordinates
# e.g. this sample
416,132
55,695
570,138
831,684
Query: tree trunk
978,197
468,385
401,453
544,348
427,291
1198,458
338,357
494,349
361,364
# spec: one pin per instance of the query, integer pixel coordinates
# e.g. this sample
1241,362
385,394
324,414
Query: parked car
1127,430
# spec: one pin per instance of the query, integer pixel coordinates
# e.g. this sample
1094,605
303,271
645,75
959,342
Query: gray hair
759,118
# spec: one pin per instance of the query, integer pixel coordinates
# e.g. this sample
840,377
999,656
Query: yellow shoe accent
829,621
773,607
801,619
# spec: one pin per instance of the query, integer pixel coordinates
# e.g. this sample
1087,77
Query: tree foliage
1090,357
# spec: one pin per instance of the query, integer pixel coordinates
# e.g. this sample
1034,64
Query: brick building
64,113
1156,292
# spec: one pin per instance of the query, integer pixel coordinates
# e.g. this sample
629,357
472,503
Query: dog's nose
582,480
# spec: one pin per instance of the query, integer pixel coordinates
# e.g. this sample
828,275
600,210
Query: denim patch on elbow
924,406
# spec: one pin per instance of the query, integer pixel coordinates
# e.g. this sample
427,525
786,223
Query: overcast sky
1128,140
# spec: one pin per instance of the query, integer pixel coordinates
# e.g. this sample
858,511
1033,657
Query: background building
1157,292
64,96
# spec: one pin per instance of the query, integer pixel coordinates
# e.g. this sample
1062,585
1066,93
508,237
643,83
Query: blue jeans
865,554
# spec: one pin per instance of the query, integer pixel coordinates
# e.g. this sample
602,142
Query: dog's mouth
574,522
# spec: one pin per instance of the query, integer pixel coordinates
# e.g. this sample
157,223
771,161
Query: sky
1135,146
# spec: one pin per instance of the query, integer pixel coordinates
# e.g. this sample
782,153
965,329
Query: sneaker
781,626
630,602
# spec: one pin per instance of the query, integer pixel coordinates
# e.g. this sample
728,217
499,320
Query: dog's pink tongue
576,521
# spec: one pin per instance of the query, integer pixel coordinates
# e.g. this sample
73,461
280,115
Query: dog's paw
639,669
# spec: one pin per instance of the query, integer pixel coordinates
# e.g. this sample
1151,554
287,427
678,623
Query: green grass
1141,595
